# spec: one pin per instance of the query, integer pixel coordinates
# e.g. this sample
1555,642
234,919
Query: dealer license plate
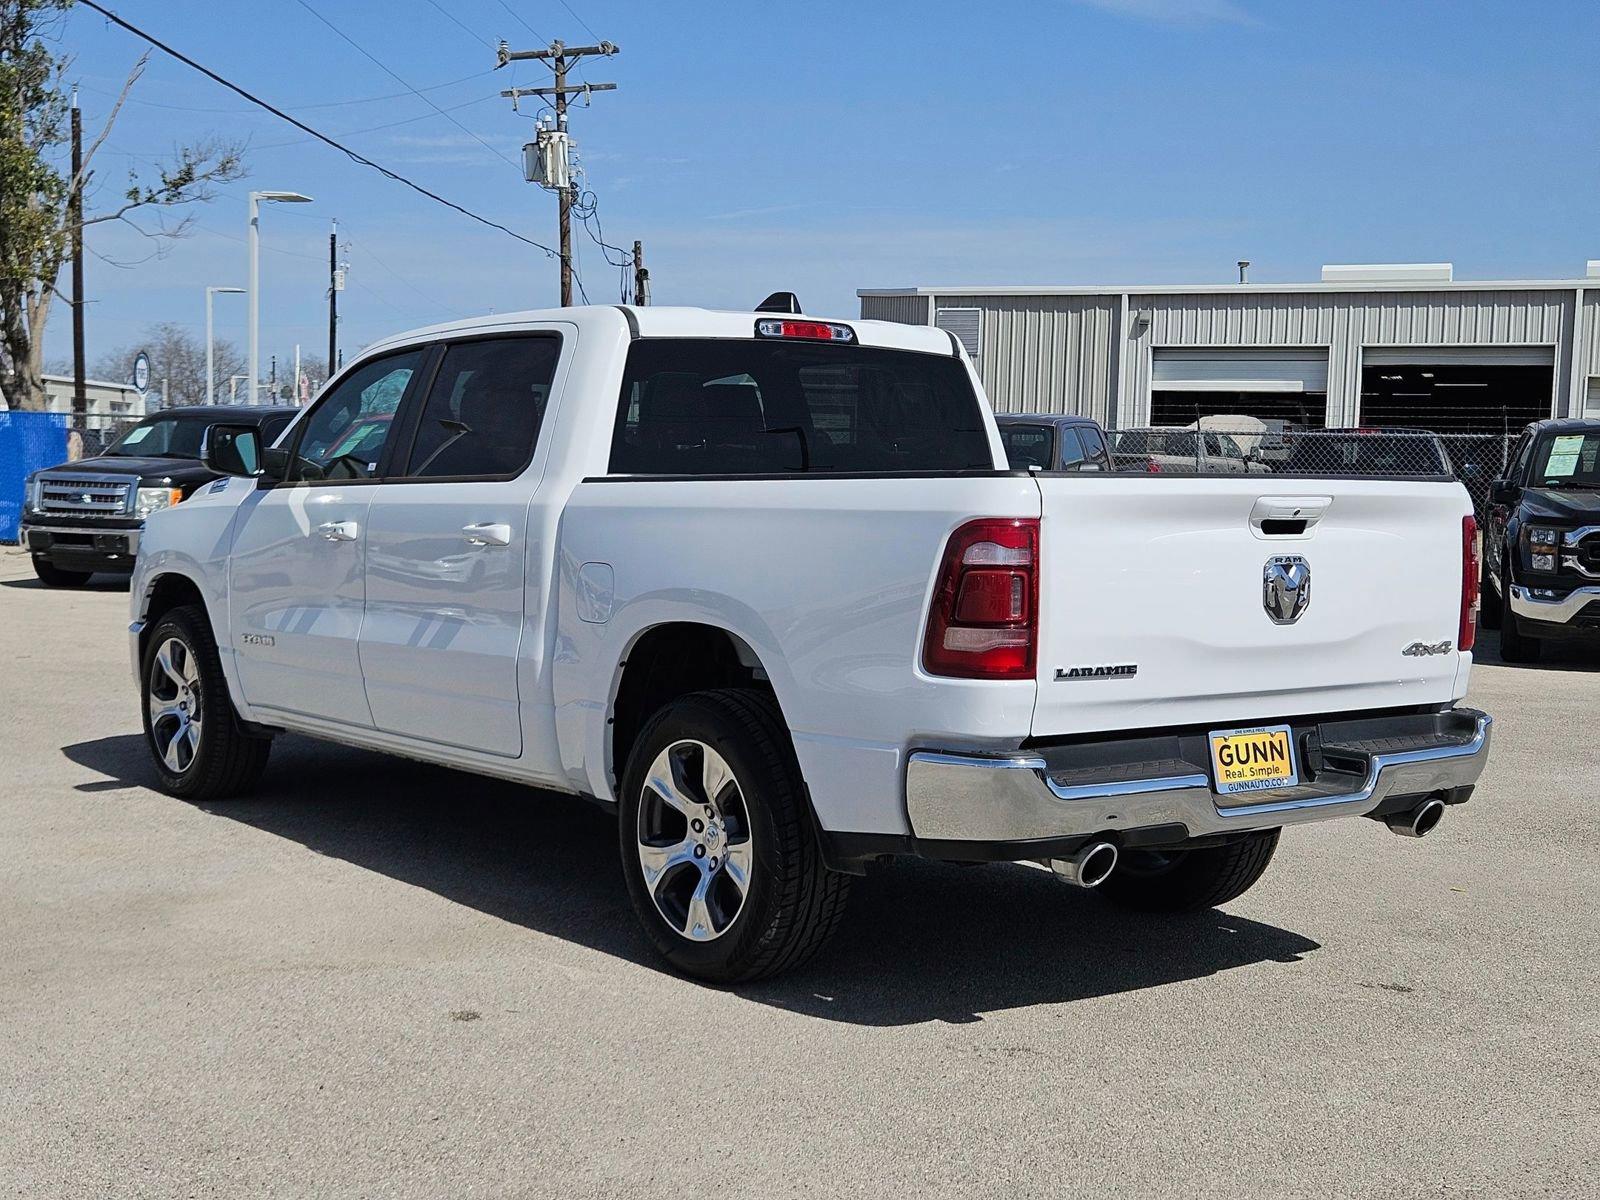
1253,760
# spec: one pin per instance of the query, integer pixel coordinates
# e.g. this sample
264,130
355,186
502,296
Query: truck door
297,568
448,547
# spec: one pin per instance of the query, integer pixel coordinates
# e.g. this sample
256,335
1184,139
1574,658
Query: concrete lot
380,979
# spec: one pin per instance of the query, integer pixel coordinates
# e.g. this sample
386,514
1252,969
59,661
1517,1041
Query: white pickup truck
764,585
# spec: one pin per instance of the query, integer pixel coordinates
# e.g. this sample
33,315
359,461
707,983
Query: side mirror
1502,491
236,450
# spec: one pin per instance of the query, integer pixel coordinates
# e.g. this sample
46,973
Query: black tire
1491,604
793,902
227,761
1515,645
53,576
1175,881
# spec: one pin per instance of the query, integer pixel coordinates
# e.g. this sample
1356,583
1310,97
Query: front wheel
720,857
1170,881
1491,604
1515,645
195,741
53,576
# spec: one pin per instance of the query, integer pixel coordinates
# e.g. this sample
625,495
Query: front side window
736,406
345,435
1094,446
483,412
1071,450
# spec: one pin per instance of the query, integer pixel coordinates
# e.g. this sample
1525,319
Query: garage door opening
1461,396
1271,385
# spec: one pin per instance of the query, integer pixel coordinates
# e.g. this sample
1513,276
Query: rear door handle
339,531
487,534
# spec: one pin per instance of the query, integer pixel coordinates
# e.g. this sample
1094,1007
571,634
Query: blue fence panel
28,442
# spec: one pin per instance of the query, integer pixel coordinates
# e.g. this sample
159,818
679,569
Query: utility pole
561,57
80,395
334,285
641,276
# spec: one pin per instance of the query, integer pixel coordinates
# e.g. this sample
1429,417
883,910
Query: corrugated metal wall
907,310
1049,354
1046,353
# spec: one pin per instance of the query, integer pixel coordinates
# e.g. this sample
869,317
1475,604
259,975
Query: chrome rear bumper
1017,798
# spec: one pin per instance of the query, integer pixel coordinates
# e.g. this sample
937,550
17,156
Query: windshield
162,437
1027,446
1568,460
760,407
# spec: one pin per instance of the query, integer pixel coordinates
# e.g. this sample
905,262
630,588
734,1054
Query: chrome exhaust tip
1089,867
1419,822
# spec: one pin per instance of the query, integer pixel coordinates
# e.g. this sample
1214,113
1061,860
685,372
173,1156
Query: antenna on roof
780,302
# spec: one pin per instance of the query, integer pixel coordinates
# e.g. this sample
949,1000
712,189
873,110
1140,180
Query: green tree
36,226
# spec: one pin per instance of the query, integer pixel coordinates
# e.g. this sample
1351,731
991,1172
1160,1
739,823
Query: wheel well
671,661
168,592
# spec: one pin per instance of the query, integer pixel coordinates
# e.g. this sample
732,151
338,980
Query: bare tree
178,358
35,189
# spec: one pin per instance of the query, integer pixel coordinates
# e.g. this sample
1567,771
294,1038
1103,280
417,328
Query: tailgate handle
1287,516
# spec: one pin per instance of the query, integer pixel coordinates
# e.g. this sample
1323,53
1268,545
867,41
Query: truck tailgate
1152,607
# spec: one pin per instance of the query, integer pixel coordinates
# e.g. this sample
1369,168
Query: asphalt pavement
376,978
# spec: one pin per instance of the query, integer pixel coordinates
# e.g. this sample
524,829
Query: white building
1405,345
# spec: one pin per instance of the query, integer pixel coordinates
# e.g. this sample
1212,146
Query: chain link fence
1277,449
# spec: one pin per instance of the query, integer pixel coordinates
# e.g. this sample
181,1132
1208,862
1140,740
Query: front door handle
487,534
339,531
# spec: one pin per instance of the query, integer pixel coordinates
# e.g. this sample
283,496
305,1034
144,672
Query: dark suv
1541,540
1053,442
85,516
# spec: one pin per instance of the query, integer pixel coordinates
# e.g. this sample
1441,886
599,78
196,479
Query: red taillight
821,331
1152,467
983,623
1467,634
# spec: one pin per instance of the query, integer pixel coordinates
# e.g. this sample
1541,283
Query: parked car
1178,452
765,586
1053,442
1541,542
1264,443
1394,452
86,516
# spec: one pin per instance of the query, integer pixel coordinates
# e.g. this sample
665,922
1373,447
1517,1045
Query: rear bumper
1149,791
82,547
1564,611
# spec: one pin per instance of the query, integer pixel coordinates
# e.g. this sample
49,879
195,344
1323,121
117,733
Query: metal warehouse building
1387,346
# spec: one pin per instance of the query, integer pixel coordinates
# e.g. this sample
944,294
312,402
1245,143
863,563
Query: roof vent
1593,268
780,302
1389,273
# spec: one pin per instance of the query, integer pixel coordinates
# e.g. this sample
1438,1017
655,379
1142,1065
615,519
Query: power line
433,87
467,29
517,17
362,50
355,157
580,20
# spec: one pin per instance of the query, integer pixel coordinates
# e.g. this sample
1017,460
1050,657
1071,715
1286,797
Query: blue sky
826,146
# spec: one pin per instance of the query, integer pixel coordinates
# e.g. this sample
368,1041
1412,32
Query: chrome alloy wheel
695,845
174,699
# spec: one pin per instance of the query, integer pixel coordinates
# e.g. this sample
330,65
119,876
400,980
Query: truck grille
1588,554
87,495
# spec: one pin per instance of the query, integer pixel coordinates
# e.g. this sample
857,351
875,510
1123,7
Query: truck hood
1559,504
183,472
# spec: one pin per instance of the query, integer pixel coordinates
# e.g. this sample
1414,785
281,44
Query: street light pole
211,352
255,280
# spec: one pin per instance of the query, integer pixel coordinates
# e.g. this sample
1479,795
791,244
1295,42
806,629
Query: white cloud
1177,12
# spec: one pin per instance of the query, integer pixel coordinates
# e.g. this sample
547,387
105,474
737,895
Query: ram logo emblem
1286,588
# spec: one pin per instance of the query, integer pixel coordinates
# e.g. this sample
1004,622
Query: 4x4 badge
1424,649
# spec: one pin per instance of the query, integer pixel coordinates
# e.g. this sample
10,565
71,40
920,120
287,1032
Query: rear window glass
749,407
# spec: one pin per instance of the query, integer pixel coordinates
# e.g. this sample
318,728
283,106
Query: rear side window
1026,446
482,415
748,407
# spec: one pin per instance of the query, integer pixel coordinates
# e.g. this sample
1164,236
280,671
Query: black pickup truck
85,516
1541,541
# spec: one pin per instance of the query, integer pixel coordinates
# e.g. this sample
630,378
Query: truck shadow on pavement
921,941
1571,655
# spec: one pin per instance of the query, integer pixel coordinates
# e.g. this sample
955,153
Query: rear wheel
1189,880
53,576
195,741
720,857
